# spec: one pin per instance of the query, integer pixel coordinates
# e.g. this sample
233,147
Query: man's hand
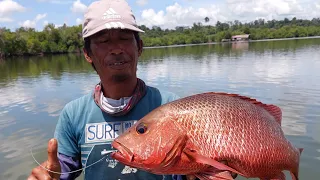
52,164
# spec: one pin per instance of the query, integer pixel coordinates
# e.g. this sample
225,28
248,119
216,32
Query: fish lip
122,153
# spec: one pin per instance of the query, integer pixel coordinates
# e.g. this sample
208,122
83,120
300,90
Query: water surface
33,91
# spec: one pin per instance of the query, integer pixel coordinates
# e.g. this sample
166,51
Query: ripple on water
18,144
5,120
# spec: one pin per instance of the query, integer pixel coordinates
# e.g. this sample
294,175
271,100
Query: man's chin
120,78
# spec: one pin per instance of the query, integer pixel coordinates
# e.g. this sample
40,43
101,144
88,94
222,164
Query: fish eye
141,128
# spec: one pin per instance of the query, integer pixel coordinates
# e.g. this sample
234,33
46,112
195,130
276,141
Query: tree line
67,39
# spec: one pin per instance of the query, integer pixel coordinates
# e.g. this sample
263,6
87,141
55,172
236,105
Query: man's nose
116,51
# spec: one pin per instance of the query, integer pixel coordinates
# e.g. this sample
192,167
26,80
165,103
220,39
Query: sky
164,13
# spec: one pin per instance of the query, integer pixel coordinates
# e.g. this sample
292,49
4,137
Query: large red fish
210,136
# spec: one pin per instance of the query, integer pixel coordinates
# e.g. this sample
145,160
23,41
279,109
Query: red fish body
194,135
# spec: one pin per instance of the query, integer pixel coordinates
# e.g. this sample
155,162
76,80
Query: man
88,125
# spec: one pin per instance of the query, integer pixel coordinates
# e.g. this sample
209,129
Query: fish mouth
123,154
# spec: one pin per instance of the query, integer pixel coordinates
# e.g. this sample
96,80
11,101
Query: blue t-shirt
84,130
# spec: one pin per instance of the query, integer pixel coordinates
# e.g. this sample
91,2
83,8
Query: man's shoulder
166,96
79,103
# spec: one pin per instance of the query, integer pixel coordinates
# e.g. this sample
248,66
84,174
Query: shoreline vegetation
67,39
260,40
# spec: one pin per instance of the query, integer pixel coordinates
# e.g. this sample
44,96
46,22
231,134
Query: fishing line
104,153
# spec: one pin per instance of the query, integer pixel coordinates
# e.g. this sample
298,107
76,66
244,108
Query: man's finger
52,153
31,177
38,173
191,177
53,161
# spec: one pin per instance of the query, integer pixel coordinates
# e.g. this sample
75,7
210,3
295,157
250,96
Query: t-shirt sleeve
65,134
69,164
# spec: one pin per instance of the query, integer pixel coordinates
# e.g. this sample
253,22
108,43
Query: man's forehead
111,31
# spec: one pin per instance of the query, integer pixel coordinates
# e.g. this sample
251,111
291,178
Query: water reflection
19,143
15,152
53,66
241,46
6,121
15,94
33,90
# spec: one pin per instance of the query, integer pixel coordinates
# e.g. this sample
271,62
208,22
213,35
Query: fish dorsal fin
275,111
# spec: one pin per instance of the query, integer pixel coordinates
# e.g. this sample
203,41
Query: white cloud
5,19
45,23
7,7
58,25
28,24
177,15
229,10
56,1
78,7
40,16
78,21
150,17
142,2
32,23
263,8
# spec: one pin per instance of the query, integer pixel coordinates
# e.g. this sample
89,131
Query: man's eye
104,41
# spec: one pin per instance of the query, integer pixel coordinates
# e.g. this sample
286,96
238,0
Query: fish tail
295,172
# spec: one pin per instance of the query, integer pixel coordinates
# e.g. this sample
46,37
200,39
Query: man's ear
140,47
88,58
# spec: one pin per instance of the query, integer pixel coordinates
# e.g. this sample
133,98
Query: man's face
115,54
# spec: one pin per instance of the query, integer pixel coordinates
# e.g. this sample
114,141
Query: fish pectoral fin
175,152
205,160
215,175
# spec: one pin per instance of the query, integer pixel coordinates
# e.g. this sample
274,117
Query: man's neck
119,90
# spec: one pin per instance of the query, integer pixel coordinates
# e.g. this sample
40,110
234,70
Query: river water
33,90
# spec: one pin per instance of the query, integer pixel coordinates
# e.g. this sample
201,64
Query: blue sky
164,13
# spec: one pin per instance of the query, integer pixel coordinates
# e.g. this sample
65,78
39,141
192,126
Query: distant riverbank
282,39
179,45
260,40
182,45
67,39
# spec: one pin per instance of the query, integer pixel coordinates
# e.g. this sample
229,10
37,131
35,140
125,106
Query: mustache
119,57
116,58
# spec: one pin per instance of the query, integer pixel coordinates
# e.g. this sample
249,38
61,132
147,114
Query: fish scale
244,133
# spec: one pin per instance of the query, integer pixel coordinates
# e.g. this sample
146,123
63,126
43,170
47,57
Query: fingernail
51,142
98,86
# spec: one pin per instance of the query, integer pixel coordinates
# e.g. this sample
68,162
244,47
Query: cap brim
133,28
104,27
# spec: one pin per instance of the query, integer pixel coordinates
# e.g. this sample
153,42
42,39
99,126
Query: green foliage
68,39
26,41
